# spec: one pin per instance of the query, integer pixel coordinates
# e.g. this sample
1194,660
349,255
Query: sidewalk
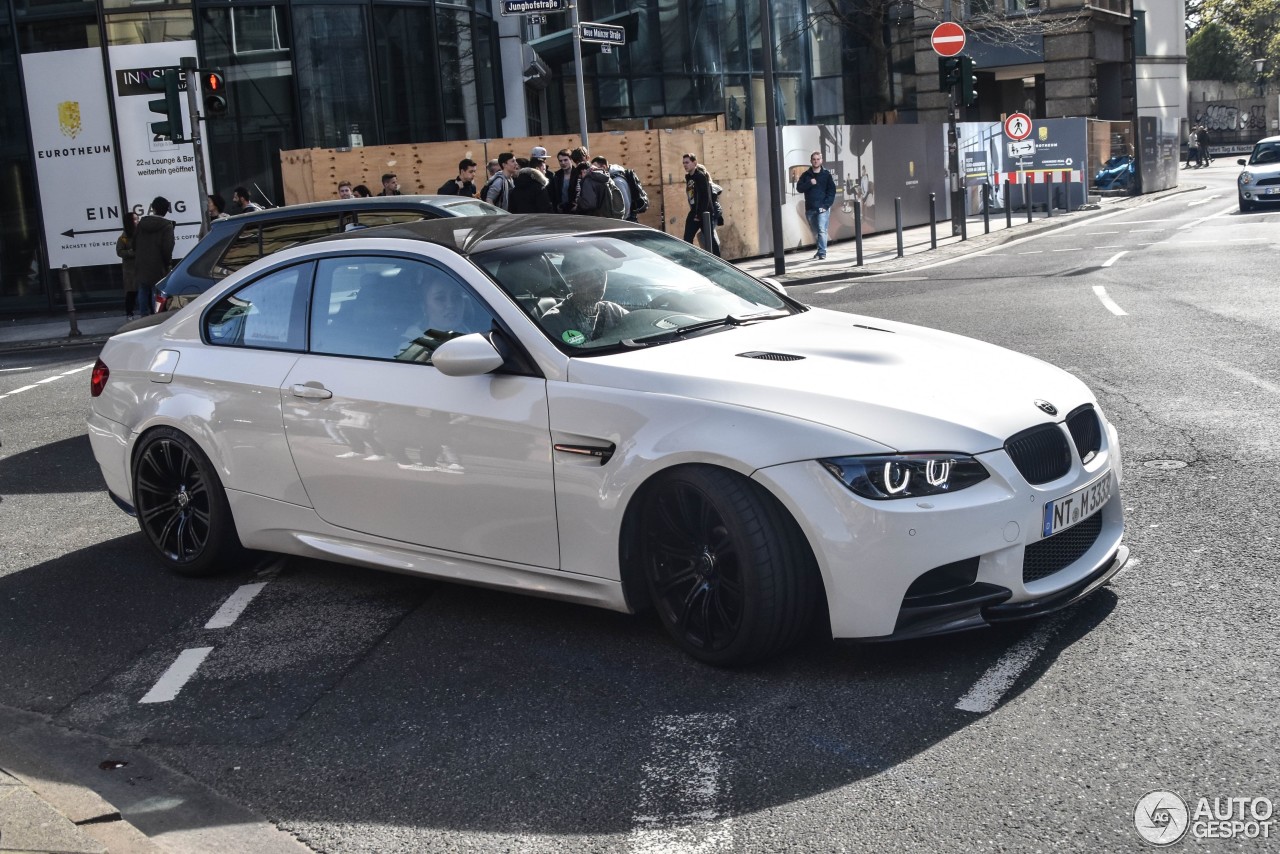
880,255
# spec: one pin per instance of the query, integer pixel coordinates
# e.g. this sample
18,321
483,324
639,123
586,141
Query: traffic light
948,72
170,106
968,81
215,93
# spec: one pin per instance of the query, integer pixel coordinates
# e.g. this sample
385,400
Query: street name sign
948,39
533,7
602,33
1017,126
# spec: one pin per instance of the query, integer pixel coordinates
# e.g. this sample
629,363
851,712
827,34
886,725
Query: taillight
98,379
162,303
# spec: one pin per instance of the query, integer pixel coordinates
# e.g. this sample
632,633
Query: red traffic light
215,92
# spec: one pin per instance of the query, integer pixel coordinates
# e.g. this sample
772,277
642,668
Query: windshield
591,292
1265,152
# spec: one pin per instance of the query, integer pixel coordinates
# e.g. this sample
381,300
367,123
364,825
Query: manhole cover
1166,465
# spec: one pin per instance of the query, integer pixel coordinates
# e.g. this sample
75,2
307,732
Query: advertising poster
155,167
75,156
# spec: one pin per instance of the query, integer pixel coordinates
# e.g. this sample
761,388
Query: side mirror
1243,162
467,356
776,285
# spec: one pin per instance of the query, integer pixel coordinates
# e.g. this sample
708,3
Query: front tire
726,567
181,505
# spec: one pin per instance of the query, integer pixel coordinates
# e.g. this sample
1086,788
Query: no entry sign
947,39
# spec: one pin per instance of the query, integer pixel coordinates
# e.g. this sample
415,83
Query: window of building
154,27
408,76
331,60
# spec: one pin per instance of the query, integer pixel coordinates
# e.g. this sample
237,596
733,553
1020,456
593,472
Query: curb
54,343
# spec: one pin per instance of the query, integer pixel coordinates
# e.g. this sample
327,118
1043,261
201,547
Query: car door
388,445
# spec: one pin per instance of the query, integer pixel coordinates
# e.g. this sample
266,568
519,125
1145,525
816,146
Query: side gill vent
872,328
770,357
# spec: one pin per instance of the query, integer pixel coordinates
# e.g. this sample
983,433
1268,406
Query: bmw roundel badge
1048,407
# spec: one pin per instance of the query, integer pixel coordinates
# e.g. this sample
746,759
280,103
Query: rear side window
270,313
258,240
370,219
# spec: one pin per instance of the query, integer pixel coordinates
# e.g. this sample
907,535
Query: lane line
76,370
234,606
1096,233
1108,301
1033,252
20,390
986,693
6,370
1072,249
1129,564
837,289
1203,201
1246,376
1196,222
684,788
1145,230
1114,258
49,379
1111,246
172,680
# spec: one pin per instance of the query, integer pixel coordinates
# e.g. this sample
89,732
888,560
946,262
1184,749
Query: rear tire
181,505
726,566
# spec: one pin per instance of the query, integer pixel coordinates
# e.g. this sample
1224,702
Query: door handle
311,391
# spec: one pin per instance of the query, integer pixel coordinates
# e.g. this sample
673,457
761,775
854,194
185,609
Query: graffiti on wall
1230,116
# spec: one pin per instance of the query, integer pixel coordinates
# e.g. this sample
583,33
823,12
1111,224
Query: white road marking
1096,233
1202,201
1129,564
1144,230
1110,246
1033,252
1071,249
837,289
77,370
1114,258
234,606
20,390
49,379
986,692
1248,239
684,791
1196,222
6,370
1108,301
182,669
1247,377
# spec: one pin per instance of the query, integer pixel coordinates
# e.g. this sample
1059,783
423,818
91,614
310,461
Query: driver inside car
584,315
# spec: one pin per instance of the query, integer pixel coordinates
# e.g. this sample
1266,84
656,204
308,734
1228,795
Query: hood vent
770,357
872,328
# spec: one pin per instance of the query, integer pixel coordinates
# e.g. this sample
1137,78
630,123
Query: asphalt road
364,712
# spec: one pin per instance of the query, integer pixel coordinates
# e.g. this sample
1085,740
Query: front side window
390,308
269,313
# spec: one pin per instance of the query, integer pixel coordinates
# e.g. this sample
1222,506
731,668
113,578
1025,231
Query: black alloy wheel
726,568
181,506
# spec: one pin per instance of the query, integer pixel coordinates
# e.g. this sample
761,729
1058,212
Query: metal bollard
933,221
65,276
1008,204
857,232
964,216
708,235
986,207
1026,196
1048,194
897,218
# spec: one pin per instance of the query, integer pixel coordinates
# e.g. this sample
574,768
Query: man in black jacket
464,184
152,252
529,193
819,190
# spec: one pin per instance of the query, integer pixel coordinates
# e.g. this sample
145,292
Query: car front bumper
881,560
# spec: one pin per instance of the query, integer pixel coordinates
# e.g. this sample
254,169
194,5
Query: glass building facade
327,73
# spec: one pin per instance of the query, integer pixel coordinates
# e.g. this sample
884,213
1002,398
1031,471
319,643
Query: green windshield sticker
573,336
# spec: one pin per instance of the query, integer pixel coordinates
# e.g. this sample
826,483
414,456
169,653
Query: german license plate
1062,513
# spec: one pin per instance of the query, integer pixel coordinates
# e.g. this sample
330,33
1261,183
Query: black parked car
239,240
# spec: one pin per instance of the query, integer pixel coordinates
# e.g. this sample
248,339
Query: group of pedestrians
1198,147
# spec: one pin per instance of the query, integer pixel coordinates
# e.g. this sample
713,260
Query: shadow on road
63,466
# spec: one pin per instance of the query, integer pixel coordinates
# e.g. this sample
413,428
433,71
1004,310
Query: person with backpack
698,187
597,194
617,174
498,190
637,200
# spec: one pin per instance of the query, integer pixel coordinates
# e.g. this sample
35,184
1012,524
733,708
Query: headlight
1246,178
906,475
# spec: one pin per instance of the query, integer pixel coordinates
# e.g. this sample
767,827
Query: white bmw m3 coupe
595,411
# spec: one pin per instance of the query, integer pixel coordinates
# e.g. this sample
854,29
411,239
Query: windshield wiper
718,322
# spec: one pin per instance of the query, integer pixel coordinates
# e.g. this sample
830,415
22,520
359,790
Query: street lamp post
1258,65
